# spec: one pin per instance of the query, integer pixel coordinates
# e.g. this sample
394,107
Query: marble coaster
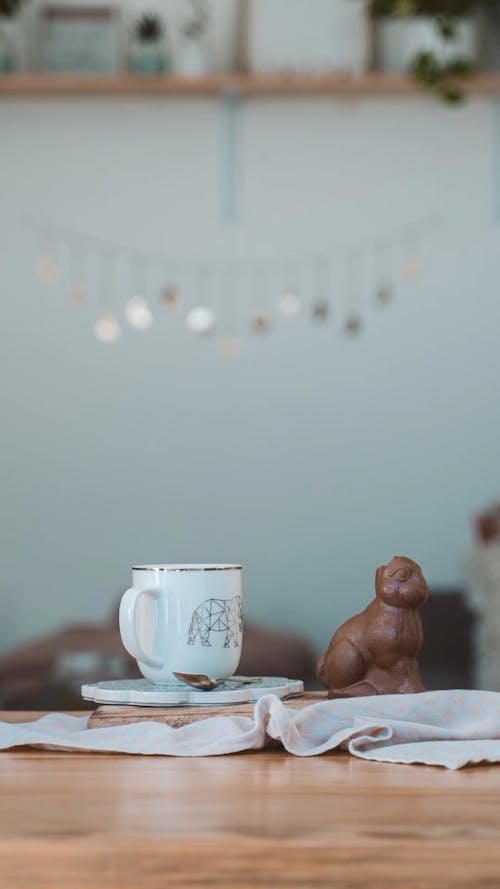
142,692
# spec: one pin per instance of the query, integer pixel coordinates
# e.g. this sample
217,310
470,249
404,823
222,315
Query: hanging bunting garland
231,294
46,269
353,324
260,320
75,276
107,328
260,323
289,301
322,286
411,264
384,294
201,320
138,313
229,346
382,264
289,305
411,269
169,297
353,321
321,310
76,295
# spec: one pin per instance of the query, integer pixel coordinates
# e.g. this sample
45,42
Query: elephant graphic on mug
217,616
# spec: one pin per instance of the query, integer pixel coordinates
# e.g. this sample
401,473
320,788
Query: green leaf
405,7
450,94
426,69
446,8
447,27
459,67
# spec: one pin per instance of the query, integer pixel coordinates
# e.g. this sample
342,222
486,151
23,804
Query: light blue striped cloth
444,728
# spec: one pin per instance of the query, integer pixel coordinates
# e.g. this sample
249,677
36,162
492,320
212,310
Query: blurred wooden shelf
270,85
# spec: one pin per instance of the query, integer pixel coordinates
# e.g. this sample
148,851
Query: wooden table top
262,819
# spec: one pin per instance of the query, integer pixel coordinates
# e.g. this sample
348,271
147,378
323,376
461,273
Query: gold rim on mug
186,568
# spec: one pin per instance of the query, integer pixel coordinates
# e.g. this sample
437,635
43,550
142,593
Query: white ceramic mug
184,618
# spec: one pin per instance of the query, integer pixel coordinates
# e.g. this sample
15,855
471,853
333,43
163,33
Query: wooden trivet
114,714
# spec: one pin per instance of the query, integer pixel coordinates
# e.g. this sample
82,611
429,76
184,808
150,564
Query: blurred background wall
310,457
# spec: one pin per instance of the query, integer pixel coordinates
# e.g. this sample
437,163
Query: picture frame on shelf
79,39
328,36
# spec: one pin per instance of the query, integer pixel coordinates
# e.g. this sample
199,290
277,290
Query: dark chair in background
447,658
47,674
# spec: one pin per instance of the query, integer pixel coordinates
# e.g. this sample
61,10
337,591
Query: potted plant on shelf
8,9
149,54
434,40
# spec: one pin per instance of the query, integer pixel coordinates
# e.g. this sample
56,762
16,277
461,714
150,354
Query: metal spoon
205,683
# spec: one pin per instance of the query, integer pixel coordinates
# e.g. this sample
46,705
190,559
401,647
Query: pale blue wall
310,459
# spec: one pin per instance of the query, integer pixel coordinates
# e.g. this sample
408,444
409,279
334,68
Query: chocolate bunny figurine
375,652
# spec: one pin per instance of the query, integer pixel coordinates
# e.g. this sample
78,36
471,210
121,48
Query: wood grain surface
251,85
263,819
107,714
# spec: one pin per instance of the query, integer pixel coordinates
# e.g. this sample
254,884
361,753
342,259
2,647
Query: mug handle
128,629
